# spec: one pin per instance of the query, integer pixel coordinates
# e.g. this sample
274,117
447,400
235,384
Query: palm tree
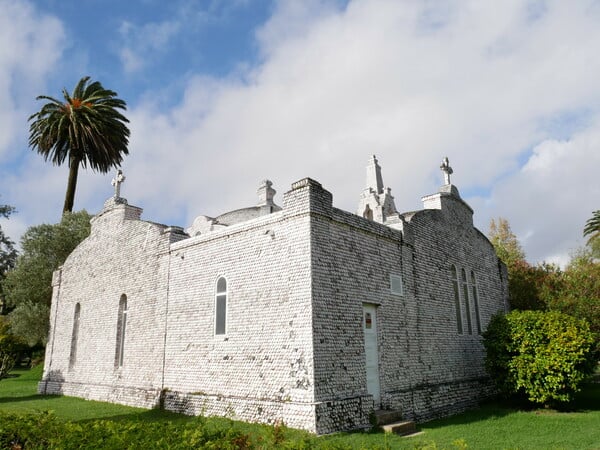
592,226
85,129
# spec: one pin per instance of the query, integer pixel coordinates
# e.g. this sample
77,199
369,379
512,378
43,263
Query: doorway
371,352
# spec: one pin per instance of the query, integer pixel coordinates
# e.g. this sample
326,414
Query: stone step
384,416
400,428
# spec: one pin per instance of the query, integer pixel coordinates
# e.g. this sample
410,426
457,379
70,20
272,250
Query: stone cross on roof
446,169
116,182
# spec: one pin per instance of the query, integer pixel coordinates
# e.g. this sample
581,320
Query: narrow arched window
465,289
221,306
74,336
475,296
121,326
454,274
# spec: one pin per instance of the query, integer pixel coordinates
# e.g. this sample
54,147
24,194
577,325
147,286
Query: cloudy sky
223,94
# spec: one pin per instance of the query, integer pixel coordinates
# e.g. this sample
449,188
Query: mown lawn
76,423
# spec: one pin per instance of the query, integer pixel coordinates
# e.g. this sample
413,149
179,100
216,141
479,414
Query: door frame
373,379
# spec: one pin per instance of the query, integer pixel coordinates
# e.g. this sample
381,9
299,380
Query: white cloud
409,81
474,82
30,45
549,200
143,42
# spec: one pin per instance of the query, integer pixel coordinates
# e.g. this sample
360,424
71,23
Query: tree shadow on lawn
23,398
492,409
587,400
149,415
10,375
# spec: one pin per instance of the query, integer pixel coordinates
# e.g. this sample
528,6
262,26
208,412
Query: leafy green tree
84,129
543,355
8,253
577,291
10,348
505,242
524,280
28,286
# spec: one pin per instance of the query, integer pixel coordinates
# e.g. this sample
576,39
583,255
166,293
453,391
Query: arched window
475,301
221,306
121,326
454,274
74,335
368,213
465,289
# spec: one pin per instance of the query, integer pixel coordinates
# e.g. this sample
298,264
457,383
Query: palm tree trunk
71,185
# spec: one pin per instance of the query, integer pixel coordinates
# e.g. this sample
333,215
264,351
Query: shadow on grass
587,400
493,409
23,398
10,375
150,415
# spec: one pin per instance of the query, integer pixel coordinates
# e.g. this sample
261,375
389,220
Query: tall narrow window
475,301
465,289
121,326
74,335
456,298
221,306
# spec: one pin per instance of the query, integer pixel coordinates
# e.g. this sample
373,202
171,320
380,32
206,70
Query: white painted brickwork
297,279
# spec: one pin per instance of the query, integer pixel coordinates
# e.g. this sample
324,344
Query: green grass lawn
493,426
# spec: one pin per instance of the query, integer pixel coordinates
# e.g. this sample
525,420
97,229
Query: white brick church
302,313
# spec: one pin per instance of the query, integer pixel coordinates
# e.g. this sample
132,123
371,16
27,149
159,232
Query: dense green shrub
44,430
543,355
11,348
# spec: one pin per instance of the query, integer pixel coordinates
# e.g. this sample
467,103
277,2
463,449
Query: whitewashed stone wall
122,255
297,280
427,369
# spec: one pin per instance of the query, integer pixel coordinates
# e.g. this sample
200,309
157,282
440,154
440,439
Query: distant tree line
550,341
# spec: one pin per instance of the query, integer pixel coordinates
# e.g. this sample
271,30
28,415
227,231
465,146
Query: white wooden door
371,354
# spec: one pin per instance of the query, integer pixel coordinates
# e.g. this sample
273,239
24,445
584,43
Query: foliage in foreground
494,425
28,287
45,430
542,355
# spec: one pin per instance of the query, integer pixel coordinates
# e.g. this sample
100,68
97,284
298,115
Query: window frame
121,332
475,293
465,286
457,303
75,336
220,320
398,278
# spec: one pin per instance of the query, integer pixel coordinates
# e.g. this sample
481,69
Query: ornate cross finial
446,169
116,182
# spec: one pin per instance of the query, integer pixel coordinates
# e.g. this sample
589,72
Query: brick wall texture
297,280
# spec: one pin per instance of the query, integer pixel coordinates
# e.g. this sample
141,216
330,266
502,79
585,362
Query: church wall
294,346
352,262
261,368
447,373
426,368
121,256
